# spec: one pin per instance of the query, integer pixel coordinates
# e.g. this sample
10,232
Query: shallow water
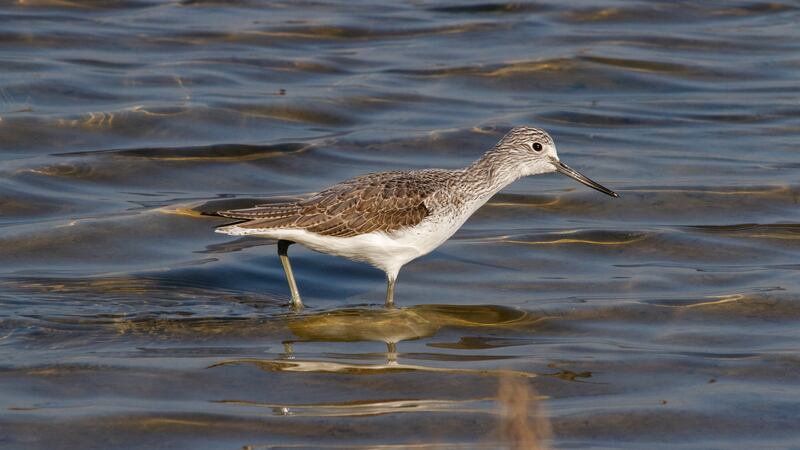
663,319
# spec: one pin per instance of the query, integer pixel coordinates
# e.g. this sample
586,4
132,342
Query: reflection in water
402,324
523,424
390,326
291,364
522,420
370,408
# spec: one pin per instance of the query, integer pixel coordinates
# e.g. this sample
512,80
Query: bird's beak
575,175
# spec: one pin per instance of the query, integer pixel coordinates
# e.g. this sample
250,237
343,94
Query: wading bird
390,218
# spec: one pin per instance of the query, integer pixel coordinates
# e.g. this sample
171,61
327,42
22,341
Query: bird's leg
390,291
391,353
288,350
283,248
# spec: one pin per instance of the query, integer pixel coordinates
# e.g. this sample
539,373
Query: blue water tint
662,319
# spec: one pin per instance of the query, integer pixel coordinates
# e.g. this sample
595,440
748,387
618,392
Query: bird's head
534,152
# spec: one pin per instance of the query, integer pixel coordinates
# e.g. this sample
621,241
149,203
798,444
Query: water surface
663,319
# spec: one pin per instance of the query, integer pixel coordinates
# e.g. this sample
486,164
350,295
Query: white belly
386,251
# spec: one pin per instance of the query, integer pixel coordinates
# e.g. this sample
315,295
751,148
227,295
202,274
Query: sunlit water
666,318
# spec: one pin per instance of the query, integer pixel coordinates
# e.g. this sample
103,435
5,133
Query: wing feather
275,210
385,201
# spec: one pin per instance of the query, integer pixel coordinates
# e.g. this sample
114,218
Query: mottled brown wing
270,211
386,201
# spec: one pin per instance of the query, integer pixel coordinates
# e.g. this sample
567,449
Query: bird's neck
492,172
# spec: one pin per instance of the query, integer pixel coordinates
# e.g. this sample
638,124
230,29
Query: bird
388,219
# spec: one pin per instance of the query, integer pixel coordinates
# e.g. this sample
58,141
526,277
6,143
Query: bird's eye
537,146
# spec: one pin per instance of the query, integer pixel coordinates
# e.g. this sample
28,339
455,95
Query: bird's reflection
390,326
402,324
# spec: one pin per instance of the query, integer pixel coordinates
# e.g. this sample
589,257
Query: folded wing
386,202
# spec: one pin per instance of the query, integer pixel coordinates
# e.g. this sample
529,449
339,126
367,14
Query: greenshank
390,218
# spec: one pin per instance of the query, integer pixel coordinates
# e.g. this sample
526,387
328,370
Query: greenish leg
390,292
283,249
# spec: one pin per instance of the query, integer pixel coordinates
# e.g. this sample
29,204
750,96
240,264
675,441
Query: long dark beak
575,175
